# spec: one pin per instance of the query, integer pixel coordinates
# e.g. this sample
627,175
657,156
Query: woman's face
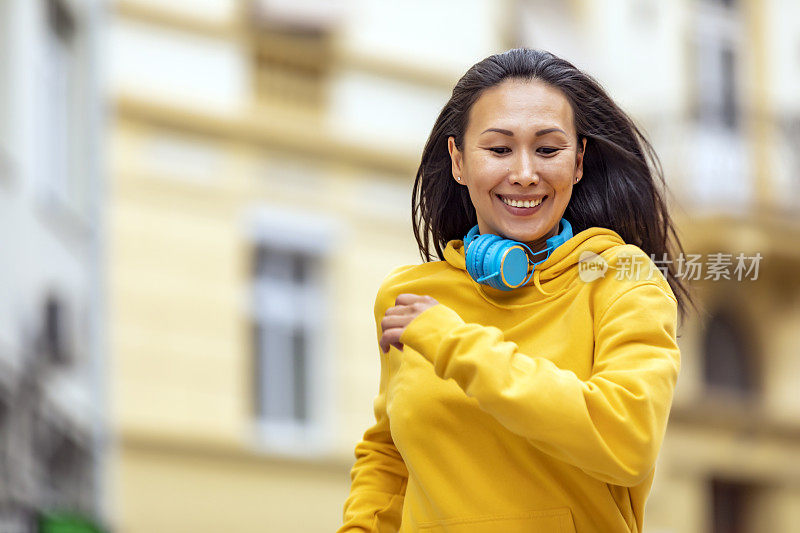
520,144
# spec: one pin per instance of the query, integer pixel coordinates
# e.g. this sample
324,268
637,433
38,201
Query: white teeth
517,203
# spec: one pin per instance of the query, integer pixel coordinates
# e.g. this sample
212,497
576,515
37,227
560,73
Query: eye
500,150
546,150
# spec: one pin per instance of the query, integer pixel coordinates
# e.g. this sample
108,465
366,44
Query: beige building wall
227,135
201,170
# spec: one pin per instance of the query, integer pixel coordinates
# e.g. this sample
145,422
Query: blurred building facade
250,226
262,156
715,84
52,434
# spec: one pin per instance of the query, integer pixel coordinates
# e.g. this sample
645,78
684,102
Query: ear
456,160
579,160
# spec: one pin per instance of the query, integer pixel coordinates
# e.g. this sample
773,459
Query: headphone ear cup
470,257
478,251
515,264
490,261
504,259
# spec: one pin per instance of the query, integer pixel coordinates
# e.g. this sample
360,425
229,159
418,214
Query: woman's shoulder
412,278
415,273
621,269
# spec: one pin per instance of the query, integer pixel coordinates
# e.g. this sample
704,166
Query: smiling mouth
522,203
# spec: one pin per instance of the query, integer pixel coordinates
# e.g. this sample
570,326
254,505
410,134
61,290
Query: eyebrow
511,133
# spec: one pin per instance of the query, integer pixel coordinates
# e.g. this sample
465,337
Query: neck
541,243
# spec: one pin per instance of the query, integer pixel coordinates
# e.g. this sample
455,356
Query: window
54,337
732,507
716,88
286,329
291,68
728,360
292,345
57,106
293,50
716,147
716,102
6,85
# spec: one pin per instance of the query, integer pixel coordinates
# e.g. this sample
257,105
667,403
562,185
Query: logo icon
591,266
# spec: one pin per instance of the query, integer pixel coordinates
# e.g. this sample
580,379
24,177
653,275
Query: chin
522,235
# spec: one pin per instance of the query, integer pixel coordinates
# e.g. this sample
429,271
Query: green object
67,523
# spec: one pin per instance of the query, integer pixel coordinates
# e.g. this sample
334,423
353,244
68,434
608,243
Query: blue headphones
502,263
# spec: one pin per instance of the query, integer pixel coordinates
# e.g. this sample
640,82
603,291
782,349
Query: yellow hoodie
540,409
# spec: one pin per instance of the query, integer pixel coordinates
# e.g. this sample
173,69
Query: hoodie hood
552,277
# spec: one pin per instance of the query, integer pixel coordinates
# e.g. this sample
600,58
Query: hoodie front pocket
546,521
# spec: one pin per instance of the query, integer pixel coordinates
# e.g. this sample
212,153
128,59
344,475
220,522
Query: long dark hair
622,182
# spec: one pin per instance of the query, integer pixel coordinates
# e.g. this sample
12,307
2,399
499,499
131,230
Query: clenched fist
406,308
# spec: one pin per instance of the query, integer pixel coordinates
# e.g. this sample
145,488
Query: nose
523,170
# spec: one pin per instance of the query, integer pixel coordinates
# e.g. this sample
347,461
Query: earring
459,178
577,180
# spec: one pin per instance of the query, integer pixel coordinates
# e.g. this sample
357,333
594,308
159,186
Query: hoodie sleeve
379,475
610,425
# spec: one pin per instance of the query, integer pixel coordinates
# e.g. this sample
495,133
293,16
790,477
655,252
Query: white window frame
315,235
717,27
65,92
56,81
718,157
6,87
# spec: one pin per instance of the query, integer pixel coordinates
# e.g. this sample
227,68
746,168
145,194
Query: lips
522,211
520,199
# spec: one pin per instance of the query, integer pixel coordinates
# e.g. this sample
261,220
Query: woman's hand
407,307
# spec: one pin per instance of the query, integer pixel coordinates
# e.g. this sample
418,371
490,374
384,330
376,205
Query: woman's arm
379,475
611,425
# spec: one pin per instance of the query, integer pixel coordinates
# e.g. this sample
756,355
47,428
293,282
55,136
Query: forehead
521,103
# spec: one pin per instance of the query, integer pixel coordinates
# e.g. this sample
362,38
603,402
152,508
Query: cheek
561,174
482,163
557,166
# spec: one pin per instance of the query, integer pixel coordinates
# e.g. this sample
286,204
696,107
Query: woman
526,376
